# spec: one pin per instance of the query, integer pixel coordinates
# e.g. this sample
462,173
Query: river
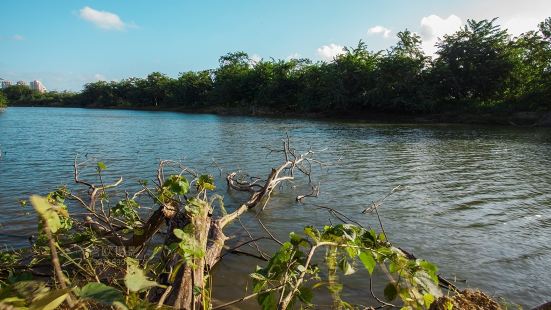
475,200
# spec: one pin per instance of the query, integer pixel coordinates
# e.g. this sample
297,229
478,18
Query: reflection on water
475,200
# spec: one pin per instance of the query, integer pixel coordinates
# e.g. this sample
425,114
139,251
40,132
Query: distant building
37,86
4,84
22,83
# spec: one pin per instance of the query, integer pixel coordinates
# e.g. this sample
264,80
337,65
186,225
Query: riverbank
519,119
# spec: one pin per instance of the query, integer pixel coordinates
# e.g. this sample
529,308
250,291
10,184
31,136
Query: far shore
517,119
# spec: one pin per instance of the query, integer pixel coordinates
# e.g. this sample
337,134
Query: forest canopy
479,67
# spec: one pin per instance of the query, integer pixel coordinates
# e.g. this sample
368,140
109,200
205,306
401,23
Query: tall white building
4,84
37,86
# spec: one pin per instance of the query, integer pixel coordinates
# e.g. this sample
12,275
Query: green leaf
372,235
428,299
20,276
119,305
390,291
196,290
352,252
135,279
127,210
296,239
206,182
195,206
177,184
258,276
36,289
101,166
13,301
301,268
346,268
313,233
101,293
267,301
51,301
46,212
368,261
180,234
175,270
305,294
448,304
430,268
392,267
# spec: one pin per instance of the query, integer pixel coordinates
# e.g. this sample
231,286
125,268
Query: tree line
480,67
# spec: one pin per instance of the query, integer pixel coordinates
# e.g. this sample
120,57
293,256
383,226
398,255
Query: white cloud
520,24
293,56
99,77
102,19
385,32
255,58
329,52
434,27
516,16
18,37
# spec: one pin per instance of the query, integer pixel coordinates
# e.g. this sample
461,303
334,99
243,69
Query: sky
67,43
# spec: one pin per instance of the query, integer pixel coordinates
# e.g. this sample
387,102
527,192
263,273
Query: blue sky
67,43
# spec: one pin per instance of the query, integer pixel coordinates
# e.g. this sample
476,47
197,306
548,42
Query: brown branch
376,204
285,301
245,243
222,306
314,193
268,232
55,262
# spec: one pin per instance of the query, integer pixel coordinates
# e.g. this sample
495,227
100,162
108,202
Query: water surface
475,200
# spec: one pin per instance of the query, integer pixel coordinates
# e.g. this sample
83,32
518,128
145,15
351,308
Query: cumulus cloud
102,19
329,52
18,37
379,30
434,27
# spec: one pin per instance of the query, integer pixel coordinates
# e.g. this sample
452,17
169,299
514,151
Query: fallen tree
109,256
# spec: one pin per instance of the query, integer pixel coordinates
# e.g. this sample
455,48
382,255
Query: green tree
231,83
130,91
157,87
400,79
18,93
353,76
545,28
474,63
98,93
192,88
530,82
3,100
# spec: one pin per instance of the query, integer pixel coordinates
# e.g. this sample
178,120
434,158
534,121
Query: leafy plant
346,246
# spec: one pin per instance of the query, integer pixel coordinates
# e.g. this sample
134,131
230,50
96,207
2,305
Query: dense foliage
479,67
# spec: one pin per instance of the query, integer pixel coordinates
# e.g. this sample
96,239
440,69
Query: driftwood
208,229
209,232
